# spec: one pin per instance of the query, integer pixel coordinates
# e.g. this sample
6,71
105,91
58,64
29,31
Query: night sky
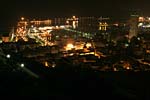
12,10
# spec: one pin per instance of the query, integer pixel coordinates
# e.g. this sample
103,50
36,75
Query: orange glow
141,19
5,39
126,65
147,51
46,64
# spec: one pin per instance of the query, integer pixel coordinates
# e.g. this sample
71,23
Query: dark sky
11,10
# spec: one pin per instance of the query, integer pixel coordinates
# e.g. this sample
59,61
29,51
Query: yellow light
67,22
74,24
69,46
115,69
141,19
57,27
74,17
128,68
147,51
88,45
46,64
22,18
77,47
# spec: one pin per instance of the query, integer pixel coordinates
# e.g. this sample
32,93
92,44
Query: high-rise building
58,21
103,23
88,24
133,22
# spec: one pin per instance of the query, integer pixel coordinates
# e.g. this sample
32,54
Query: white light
126,45
53,64
74,24
138,38
49,31
8,55
22,65
140,24
57,27
62,26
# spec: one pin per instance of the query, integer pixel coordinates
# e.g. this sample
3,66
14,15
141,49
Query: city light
138,38
71,41
1,41
103,26
22,65
141,19
46,64
73,17
140,24
128,68
88,45
115,69
53,64
22,18
69,46
126,45
8,56
67,22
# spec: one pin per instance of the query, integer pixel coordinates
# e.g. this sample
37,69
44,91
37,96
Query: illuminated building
23,23
58,21
73,22
133,25
88,24
103,26
103,23
144,24
41,22
5,38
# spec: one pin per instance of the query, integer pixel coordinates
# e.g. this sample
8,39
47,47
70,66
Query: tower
133,22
